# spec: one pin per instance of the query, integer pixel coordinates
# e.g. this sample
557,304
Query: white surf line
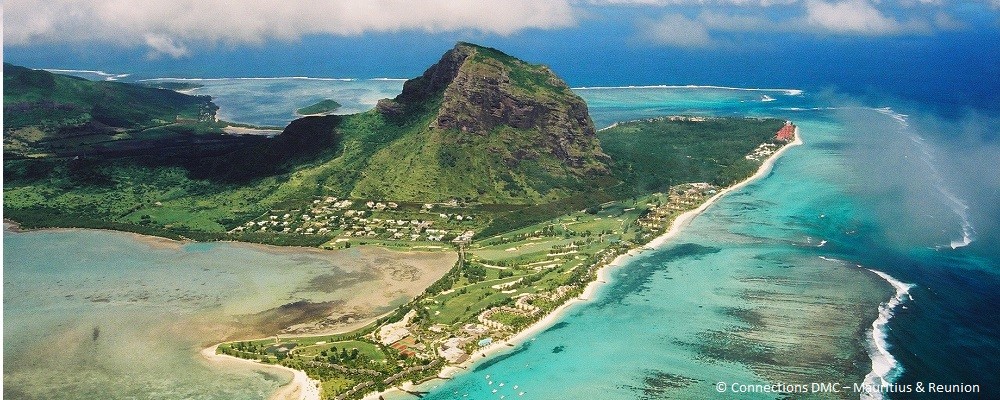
790,92
959,207
885,368
106,75
272,78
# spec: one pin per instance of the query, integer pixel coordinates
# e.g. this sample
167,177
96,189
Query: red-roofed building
786,133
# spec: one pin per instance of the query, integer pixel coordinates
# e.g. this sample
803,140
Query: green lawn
369,350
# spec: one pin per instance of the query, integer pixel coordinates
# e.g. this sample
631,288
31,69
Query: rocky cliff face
486,127
481,91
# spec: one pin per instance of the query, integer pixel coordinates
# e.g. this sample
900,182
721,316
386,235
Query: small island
322,108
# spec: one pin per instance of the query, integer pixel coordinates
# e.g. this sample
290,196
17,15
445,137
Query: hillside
493,132
489,128
501,143
46,113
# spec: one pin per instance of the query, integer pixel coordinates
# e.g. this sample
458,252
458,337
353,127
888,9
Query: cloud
661,3
853,17
677,30
172,27
161,45
946,22
739,22
844,18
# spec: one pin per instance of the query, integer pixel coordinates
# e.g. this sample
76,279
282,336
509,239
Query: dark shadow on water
274,320
329,283
637,275
489,363
658,384
556,327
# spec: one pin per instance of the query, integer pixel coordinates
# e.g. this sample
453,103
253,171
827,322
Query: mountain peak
485,111
480,89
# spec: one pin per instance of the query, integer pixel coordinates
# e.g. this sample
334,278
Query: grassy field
509,280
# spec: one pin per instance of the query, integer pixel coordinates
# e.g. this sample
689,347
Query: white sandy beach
602,274
300,388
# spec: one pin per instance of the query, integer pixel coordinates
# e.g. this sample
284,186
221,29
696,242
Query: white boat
766,98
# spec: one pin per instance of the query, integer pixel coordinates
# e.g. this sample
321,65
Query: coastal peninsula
484,154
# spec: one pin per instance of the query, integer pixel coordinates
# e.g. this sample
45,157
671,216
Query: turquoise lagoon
771,285
854,261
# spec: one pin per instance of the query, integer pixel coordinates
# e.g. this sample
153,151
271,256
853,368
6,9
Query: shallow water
107,315
771,284
764,282
274,101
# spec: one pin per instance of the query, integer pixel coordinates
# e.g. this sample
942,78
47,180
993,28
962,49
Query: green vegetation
322,107
47,113
181,179
530,198
652,155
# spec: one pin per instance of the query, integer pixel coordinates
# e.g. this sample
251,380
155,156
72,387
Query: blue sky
897,46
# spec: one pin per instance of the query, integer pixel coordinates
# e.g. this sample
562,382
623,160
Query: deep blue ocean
948,73
897,174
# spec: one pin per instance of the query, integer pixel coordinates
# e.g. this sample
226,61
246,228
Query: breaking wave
885,368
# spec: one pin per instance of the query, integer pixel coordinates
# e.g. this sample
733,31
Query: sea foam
885,368
788,92
100,74
248,78
956,204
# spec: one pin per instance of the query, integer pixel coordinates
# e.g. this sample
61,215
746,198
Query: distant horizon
936,81
935,53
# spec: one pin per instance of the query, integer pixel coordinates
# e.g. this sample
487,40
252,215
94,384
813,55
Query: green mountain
479,126
46,113
486,127
505,138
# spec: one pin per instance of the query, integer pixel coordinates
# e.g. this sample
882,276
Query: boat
765,98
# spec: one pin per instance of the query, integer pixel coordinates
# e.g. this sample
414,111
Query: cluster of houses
680,198
762,152
785,134
344,218
522,306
